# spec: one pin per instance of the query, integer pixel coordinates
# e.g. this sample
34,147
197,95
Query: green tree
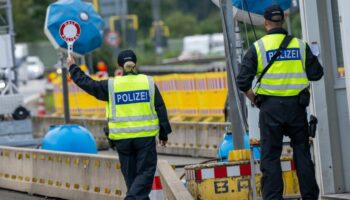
29,19
194,12
105,54
211,24
296,25
181,24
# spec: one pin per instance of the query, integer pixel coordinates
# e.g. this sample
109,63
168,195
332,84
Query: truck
196,46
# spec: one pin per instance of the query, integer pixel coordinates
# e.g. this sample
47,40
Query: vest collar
129,73
277,31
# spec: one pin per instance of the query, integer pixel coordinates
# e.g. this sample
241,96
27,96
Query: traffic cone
157,189
41,106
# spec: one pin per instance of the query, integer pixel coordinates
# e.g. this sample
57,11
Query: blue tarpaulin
259,6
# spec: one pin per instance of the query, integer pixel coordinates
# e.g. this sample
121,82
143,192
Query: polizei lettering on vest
136,96
286,54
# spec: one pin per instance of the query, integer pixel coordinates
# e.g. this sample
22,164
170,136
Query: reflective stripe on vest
135,129
283,87
285,77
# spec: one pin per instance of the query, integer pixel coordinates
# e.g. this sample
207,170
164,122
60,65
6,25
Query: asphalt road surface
12,195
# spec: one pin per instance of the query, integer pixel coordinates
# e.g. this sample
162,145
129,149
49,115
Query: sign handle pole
70,48
65,90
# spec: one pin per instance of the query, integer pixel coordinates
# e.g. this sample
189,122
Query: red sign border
118,39
64,24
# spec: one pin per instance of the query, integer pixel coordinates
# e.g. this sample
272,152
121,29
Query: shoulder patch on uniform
314,49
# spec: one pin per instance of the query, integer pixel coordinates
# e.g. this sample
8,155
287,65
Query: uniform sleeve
162,114
247,70
313,68
98,89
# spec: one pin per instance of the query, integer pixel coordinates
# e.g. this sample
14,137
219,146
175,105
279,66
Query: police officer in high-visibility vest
136,114
282,96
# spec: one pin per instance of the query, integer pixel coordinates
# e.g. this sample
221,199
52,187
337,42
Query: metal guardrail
197,139
74,176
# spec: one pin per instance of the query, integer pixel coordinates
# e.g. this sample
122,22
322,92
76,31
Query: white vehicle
202,45
217,44
21,50
31,68
197,44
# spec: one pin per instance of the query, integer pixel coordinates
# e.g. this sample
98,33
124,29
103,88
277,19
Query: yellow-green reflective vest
286,76
131,112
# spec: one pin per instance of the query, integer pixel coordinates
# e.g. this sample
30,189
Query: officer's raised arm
98,89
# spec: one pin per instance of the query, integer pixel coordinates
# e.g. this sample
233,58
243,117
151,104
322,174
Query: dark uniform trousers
138,160
285,116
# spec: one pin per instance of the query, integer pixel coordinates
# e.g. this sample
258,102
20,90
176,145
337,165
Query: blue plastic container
227,145
69,138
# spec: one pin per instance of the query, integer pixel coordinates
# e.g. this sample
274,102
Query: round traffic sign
113,39
70,31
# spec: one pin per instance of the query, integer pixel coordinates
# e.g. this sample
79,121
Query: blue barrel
227,145
69,138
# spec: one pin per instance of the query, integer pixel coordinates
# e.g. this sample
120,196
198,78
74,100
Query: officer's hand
70,60
163,143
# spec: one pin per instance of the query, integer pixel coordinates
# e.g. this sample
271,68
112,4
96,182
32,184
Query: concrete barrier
61,175
197,139
74,176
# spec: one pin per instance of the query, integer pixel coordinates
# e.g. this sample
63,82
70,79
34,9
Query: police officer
282,97
136,114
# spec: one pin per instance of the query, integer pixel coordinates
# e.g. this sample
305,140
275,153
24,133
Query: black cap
125,56
274,10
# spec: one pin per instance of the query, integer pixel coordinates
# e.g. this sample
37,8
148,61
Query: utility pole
156,25
60,64
121,9
236,100
124,13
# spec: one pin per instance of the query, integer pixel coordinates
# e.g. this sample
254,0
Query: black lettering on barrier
221,187
243,184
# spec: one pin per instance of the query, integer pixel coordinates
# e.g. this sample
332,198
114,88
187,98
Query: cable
246,33
246,29
74,94
250,19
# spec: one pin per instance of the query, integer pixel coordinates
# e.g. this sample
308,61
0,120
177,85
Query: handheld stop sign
70,32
